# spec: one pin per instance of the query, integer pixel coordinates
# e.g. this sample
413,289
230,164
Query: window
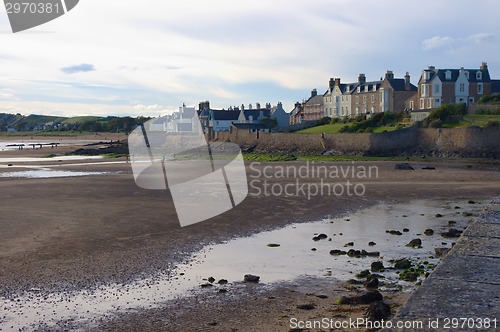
471,100
373,99
479,88
462,87
374,87
448,75
437,88
342,98
366,88
411,104
359,89
422,106
424,91
364,99
429,103
479,75
373,109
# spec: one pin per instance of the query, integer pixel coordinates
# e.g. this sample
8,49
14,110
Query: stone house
438,87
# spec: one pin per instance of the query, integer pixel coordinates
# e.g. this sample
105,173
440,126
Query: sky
147,58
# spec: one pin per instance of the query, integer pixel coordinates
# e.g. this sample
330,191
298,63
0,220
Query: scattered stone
429,232
438,215
214,323
362,253
428,167
369,297
315,238
313,249
10,165
415,243
402,264
211,280
222,282
363,274
404,166
273,245
404,216
377,266
457,207
222,290
206,285
337,252
371,282
440,252
394,232
409,275
251,278
322,296
452,222
308,306
378,311
466,214
406,230
472,202
452,232
354,282
371,244
349,244
322,236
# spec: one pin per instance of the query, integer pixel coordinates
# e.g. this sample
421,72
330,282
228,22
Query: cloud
437,42
480,37
84,67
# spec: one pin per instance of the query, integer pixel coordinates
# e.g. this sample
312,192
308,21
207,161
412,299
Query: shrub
483,111
445,111
436,124
492,123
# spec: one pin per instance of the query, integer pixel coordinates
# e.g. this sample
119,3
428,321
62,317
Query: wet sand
63,234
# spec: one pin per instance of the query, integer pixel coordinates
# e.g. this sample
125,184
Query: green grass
261,157
327,129
480,120
384,128
81,119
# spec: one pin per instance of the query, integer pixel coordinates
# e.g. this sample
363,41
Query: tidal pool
293,258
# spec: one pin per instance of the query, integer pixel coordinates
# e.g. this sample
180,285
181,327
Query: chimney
484,66
249,106
361,79
242,107
389,75
314,93
407,82
432,68
337,82
331,84
257,105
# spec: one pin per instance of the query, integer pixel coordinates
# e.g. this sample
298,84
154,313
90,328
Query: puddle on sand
55,158
235,258
47,173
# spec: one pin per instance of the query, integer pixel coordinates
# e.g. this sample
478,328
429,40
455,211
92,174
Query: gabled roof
455,73
318,99
255,114
363,85
224,115
398,84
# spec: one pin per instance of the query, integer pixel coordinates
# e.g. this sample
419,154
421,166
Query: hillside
34,122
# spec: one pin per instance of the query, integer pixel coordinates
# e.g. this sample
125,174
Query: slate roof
398,84
249,126
256,113
224,115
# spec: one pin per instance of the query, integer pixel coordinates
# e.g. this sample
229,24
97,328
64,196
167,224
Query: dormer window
366,88
448,75
359,89
374,87
479,76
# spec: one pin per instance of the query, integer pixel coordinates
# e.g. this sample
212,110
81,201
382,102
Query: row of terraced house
436,87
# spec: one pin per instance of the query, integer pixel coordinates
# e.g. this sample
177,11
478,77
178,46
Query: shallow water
56,158
235,258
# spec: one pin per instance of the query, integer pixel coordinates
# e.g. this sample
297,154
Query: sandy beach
66,234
